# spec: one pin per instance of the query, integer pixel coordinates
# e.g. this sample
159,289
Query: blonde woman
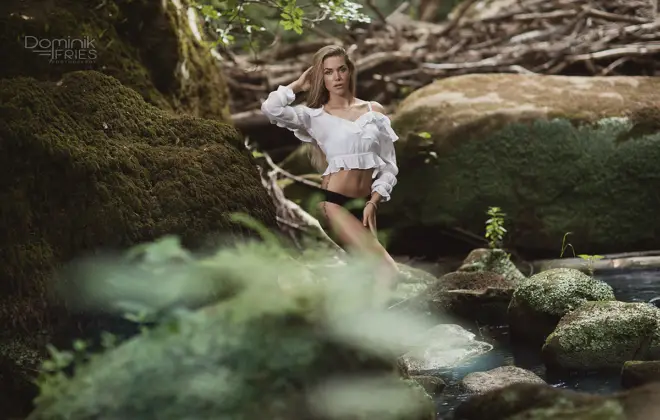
350,140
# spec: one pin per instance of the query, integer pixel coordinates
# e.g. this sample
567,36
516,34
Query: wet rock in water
408,295
540,301
492,260
543,402
544,132
432,384
476,295
410,274
480,382
443,347
655,301
637,373
600,335
411,287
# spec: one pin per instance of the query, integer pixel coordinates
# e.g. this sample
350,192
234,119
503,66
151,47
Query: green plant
228,19
590,259
54,370
565,245
495,230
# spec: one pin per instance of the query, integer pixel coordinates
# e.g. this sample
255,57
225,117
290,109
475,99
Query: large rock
493,261
482,296
601,335
90,165
638,372
556,153
544,402
480,382
20,358
540,301
153,47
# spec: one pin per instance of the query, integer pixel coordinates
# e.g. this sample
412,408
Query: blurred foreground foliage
253,330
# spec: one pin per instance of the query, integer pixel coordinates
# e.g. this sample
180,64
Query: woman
351,139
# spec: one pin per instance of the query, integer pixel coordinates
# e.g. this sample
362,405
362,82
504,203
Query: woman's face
336,75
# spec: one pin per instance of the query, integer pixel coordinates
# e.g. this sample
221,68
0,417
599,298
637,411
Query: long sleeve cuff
384,185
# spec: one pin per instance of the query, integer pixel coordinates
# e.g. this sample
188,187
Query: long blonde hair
318,95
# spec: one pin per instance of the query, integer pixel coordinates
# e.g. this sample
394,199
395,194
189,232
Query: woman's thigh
347,228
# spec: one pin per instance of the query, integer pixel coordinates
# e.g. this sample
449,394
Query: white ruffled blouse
365,143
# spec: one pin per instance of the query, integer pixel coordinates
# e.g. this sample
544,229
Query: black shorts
342,200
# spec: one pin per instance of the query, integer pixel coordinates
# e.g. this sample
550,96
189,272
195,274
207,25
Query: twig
377,11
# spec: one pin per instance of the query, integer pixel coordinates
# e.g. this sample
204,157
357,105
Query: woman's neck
337,101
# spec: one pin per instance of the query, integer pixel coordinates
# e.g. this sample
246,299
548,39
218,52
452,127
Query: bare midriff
354,183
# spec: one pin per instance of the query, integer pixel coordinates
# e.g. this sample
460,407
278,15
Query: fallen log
607,263
249,119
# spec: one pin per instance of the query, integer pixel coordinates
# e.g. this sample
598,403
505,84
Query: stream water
629,286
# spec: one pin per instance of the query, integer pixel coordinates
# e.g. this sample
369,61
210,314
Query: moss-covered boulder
20,358
482,296
259,351
154,47
540,301
544,402
557,154
601,335
638,372
492,261
89,165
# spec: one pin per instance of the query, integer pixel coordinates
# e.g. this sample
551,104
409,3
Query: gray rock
637,373
492,260
604,335
431,384
480,382
540,301
443,347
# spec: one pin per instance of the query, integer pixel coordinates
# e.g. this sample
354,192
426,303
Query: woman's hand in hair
303,83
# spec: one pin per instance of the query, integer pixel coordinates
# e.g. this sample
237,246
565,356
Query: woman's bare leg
352,234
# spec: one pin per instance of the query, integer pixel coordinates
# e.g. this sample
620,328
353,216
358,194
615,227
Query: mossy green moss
492,260
539,302
560,290
543,402
89,164
602,410
604,335
551,155
147,45
504,403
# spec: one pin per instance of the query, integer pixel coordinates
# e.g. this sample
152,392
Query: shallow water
629,286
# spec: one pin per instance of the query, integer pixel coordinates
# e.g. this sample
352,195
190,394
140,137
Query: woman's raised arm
277,107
